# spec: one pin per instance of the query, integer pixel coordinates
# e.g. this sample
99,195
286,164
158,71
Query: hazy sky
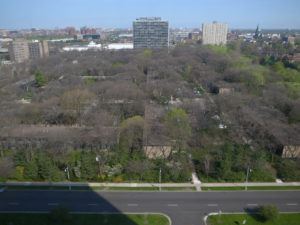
120,13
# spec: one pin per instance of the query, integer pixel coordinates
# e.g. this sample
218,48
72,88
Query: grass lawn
237,219
251,188
36,188
86,188
84,219
178,189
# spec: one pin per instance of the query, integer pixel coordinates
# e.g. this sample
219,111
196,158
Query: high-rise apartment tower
214,33
150,32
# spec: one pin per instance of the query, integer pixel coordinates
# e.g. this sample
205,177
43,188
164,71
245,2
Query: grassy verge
237,219
36,188
85,219
85,188
251,188
178,189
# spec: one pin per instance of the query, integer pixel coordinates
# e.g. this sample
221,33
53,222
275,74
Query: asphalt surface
184,208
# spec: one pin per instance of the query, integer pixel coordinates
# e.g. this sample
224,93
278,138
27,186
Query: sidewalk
196,181
250,184
194,184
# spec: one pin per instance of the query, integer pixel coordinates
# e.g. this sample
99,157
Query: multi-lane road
184,208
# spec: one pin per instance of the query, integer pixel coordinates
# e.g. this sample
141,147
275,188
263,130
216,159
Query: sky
269,14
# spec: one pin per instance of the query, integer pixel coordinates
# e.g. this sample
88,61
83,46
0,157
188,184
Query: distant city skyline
269,14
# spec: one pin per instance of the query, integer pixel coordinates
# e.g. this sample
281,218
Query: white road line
54,203
14,203
252,204
212,205
92,204
292,204
132,204
173,205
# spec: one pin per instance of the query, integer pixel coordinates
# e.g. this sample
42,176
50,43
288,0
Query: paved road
184,208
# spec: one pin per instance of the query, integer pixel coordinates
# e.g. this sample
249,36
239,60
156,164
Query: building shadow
73,203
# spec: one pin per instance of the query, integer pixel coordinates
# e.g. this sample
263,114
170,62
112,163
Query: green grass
178,189
37,188
82,188
251,188
222,188
86,188
126,188
90,80
237,219
85,219
221,50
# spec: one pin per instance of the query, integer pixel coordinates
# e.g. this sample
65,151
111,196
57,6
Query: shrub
268,212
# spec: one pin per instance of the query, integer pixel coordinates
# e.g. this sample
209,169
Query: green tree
40,79
225,164
268,212
288,170
131,134
31,171
88,165
47,170
178,125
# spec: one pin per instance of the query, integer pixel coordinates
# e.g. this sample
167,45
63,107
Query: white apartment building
214,33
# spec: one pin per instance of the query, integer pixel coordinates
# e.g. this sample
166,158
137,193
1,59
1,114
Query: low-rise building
291,40
226,90
156,151
291,151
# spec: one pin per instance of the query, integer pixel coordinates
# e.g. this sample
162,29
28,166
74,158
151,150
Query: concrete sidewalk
251,184
132,185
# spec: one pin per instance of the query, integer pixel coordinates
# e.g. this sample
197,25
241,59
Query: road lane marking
54,203
173,205
212,205
252,204
132,204
292,204
14,203
92,204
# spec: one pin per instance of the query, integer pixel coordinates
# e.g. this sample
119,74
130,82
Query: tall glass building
150,32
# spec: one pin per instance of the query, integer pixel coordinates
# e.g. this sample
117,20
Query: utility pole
160,179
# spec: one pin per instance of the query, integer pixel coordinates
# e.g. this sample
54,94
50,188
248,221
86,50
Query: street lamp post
68,175
160,179
247,177
98,160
